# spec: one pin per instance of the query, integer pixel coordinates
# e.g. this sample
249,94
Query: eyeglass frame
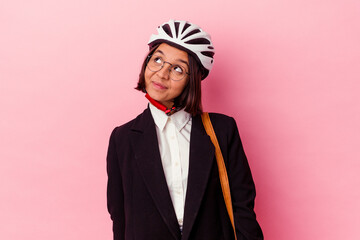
148,59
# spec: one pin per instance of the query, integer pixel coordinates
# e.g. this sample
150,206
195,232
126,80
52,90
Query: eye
178,69
157,60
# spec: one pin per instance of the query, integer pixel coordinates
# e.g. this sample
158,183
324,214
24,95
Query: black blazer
138,198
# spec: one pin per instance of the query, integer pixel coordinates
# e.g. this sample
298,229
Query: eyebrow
180,60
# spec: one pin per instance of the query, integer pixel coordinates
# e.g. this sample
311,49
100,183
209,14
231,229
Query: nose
164,72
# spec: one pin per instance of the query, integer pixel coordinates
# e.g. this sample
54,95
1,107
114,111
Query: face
159,84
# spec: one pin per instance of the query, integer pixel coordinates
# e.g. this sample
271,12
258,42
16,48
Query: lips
158,85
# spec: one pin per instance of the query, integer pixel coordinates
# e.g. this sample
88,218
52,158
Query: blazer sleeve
115,196
242,188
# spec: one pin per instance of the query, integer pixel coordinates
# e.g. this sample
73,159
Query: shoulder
224,126
220,117
222,121
135,124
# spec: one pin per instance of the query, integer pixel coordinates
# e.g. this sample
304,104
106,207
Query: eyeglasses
156,63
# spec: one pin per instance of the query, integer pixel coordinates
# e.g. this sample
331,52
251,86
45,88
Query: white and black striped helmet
188,37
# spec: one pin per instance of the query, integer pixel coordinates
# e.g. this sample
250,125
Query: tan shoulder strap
224,180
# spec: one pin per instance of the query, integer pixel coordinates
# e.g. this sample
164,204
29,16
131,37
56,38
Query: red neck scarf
162,107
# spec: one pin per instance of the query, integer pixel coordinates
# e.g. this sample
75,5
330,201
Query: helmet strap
162,107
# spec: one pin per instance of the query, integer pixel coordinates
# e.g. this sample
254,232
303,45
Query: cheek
180,87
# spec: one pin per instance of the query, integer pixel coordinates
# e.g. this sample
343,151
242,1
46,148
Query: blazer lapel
149,164
200,164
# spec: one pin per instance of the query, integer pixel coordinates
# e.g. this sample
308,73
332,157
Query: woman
163,180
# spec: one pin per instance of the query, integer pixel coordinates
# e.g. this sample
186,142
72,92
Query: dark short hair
190,98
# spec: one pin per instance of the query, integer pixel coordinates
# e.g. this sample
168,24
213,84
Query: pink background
288,71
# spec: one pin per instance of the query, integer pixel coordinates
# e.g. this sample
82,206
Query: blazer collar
147,157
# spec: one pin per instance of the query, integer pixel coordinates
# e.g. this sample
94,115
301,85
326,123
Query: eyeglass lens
156,63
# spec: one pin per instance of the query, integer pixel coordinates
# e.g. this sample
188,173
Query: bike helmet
188,37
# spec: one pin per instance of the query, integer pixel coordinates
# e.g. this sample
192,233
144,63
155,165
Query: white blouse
173,133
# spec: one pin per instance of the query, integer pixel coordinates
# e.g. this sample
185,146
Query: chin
155,96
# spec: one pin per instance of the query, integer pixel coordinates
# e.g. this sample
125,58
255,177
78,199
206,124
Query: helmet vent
208,54
198,41
177,28
185,27
167,29
191,33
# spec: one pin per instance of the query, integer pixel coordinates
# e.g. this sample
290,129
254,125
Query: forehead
172,53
